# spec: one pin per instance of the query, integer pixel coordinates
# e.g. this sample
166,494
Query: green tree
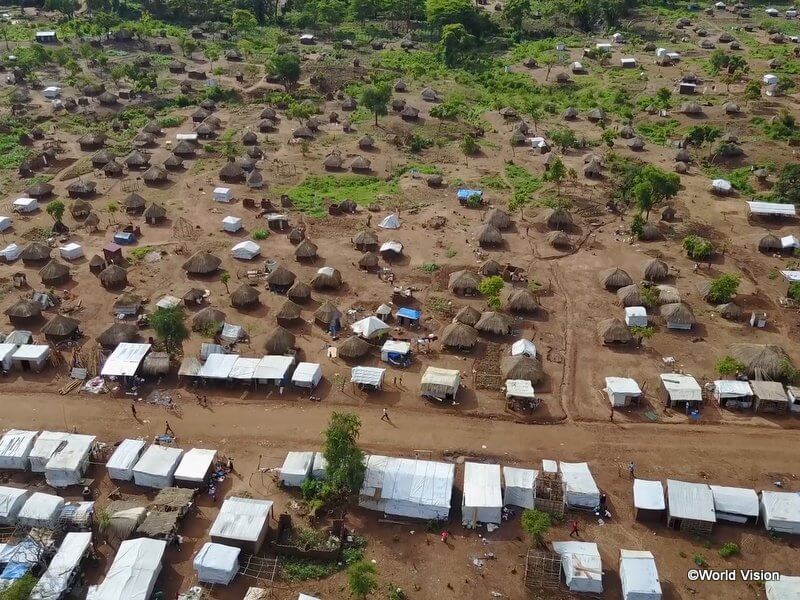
663,98
723,288
490,288
286,67
345,470
556,173
168,323
243,21
536,524
376,99
56,210
445,12
454,41
637,225
645,198
654,186
362,10
785,84
469,145
563,137
361,578
188,46
700,135
211,53
787,187
752,90
698,248
515,12
642,333
727,365
300,111
65,7
793,292
225,278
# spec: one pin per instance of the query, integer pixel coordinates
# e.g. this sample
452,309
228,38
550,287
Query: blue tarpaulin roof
26,554
463,194
408,313
124,237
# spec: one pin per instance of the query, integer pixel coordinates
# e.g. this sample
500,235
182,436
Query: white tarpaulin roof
523,346
216,563
446,378
244,368
11,501
41,510
125,360
369,327
519,484
45,447
67,466
32,352
483,498
781,511
133,573
241,519
722,185
396,346
771,208
786,588
168,301
789,241
648,494
390,222
583,569
693,501
682,388
15,446
582,491
246,249
218,366
56,579
120,465
195,465
395,247
732,388
367,375
791,276
307,373
624,386
296,468
639,575
157,466
519,388
273,366
732,502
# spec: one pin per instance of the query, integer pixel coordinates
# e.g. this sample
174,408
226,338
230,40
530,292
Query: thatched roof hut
366,239
488,235
249,138
569,114
297,235
327,313
522,367
155,213
152,127
155,175
691,108
627,132
193,296
366,142
761,361
495,323
143,139
184,148
268,113
668,294
202,263
97,263
107,99
156,363
39,190
113,276
327,278
333,161
360,164
353,347
112,169
629,295
280,341
117,334
467,315
23,310
523,300
303,132
128,302
558,239
289,312
650,233
91,140
656,270
133,201
92,221
368,261
613,331
459,335
209,105
231,172
200,115
54,273
678,314
300,292
244,296
280,279
60,327
614,278
596,114
490,267
80,209
683,155
681,168
35,252
464,282
667,213
207,318
306,250
497,218
266,125
556,218
255,179
80,188
730,311
770,243
136,160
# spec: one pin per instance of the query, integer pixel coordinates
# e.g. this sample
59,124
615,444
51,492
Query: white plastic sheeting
133,573
519,388
582,491
648,494
370,327
11,502
786,588
246,250
218,366
296,468
15,447
6,352
307,375
781,511
306,597
244,369
68,465
120,465
195,465
620,390
773,209
216,563
59,575
523,347
124,361
273,368
693,501
390,222
639,575
734,504
45,447
583,569
156,468
519,487
41,510
242,520
483,500
440,383
681,388
367,376
419,489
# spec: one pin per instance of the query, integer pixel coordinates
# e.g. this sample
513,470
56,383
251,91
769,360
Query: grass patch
311,194
139,253
12,153
659,132
523,183
739,178
419,168
494,182
300,569
429,267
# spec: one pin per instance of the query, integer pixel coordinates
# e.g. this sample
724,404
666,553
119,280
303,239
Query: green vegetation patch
12,153
310,196
523,183
658,132
739,178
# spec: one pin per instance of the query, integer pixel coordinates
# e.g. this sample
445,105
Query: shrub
723,288
698,248
794,291
491,286
259,234
429,267
474,201
727,365
361,577
729,549
536,524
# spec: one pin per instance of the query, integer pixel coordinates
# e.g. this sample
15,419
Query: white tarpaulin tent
156,468
56,581
124,361
781,511
681,388
648,495
306,597
45,447
523,347
218,366
246,250
5,223
133,573
6,352
721,186
691,501
635,316
244,369
582,491
789,241
639,575
296,468
621,390
120,465
367,376
307,375
519,388
771,209
273,368
483,499
216,563
734,504
71,251
25,205
786,588
242,522
418,489
519,487
583,569
11,252
222,194
15,447
370,327
194,466
68,465
440,383
390,222
41,510
11,502
392,246
31,356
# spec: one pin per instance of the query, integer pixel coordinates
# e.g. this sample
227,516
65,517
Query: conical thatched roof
678,313
613,331
691,108
207,317
306,250
202,263
683,155
365,238
39,190
136,160
629,296
303,132
289,311
327,313
327,278
770,243
112,168
592,169
489,235
761,361
35,251
82,187
353,347
281,276
627,132
300,292
231,172
97,262
265,125
184,148
133,201
636,143
555,218
464,281
650,233
117,334
155,212
729,310
490,267
255,179
244,295
467,315
297,235
208,104
497,218
569,113
494,322
60,326
368,260
155,174
152,127
54,272
523,300
128,300
459,335
558,239
668,294
144,139
249,138
366,142
615,278
200,114
194,295
92,220
522,367
113,276
668,213
333,161
280,341
24,309
360,164
656,270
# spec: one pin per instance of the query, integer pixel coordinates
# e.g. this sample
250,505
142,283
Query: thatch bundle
614,278
24,309
495,323
459,335
522,367
770,243
244,296
113,276
613,331
306,250
523,300
300,292
327,278
678,314
490,268
117,334
656,270
202,263
288,312
629,295
556,218
464,282
761,361
54,273
467,315
327,313
558,239
497,218
207,318
366,239
60,327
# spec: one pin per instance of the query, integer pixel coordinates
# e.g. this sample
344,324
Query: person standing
168,430
385,416
575,530
632,469
133,411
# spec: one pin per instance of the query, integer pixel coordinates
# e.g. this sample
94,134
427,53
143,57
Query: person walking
385,416
168,430
632,469
133,411
230,465
575,532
